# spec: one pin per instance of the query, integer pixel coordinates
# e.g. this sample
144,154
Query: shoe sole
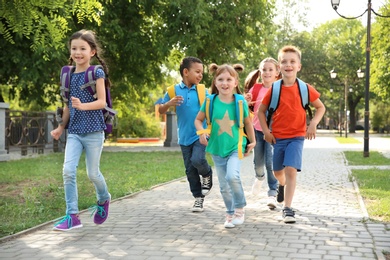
65,230
289,220
205,192
271,206
197,210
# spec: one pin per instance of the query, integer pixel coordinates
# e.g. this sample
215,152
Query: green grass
32,190
375,158
374,184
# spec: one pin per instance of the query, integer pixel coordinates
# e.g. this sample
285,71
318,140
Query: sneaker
280,197
288,215
68,222
239,217
271,202
256,187
101,211
198,205
207,183
228,222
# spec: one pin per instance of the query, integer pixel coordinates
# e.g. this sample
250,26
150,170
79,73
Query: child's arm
268,136
320,111
99,103
250,132
199,128
175,101
56,133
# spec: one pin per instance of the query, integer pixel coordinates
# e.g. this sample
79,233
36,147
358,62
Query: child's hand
311,132
76,103
176,101
56,133
203,139
248,97
249,148
269,138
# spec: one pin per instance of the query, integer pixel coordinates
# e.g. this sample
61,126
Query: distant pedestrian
187,103
86,127
226,143
288,127
268,72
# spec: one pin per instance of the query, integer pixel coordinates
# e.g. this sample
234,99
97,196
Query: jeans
263,157
196,165
92,143
228,171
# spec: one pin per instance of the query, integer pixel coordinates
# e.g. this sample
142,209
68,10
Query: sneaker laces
66,218
288,212
198,202
239,213
99,209
207,181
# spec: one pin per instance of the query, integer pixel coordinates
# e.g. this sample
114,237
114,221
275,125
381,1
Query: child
85,131
288,129
269,72
224,139
187,107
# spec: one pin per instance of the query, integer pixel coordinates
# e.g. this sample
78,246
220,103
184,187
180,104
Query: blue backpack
239,99
275,97
89,85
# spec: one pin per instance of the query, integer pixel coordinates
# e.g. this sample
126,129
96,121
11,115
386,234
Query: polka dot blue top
84,121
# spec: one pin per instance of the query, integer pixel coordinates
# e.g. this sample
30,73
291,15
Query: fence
30,131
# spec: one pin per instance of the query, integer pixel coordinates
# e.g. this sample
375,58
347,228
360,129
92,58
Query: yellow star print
225,124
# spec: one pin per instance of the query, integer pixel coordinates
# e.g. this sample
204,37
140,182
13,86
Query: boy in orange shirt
289,129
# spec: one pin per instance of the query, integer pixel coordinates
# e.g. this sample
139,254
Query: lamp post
335,5
333,75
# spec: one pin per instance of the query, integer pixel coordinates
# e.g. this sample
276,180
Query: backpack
255,93
239,100
275,97
90,85
200,88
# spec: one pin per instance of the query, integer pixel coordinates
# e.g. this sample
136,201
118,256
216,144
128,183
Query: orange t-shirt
289,119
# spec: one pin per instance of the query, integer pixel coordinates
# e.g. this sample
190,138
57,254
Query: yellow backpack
200,88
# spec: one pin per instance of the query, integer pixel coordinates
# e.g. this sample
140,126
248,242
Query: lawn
32,189
374,184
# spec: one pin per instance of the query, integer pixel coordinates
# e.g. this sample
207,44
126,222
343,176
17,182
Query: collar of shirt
182,85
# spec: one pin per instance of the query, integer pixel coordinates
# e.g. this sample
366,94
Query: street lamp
333,75
335,5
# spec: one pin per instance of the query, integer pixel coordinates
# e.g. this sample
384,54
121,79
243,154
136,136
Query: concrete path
158,224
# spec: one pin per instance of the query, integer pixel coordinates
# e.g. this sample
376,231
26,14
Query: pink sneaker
239,217
228,222
68,222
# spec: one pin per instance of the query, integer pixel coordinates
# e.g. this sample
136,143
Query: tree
34,46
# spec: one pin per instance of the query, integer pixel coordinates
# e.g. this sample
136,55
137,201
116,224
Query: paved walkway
158,224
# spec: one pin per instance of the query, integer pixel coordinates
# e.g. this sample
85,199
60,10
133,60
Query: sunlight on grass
357,158
348,140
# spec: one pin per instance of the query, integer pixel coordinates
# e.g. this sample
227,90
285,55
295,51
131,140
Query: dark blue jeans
196,165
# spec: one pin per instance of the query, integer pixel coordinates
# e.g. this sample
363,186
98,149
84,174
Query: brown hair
90,38
254,75
289,48
217,70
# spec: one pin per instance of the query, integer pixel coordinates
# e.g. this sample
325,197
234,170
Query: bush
141,125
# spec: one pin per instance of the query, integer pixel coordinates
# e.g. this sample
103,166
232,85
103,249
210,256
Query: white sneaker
256,187
239,217
271,203
228,223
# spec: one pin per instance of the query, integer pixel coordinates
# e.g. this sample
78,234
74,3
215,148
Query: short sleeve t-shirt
289,119
224,132
186,113
84,121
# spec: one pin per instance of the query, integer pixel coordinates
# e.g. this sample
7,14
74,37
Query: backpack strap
239,100
200,89
275,97
305,98
66,72
208,113
255,93
90,79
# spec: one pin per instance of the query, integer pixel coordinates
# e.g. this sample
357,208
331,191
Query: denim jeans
196,165
92,143
263,157
228,171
